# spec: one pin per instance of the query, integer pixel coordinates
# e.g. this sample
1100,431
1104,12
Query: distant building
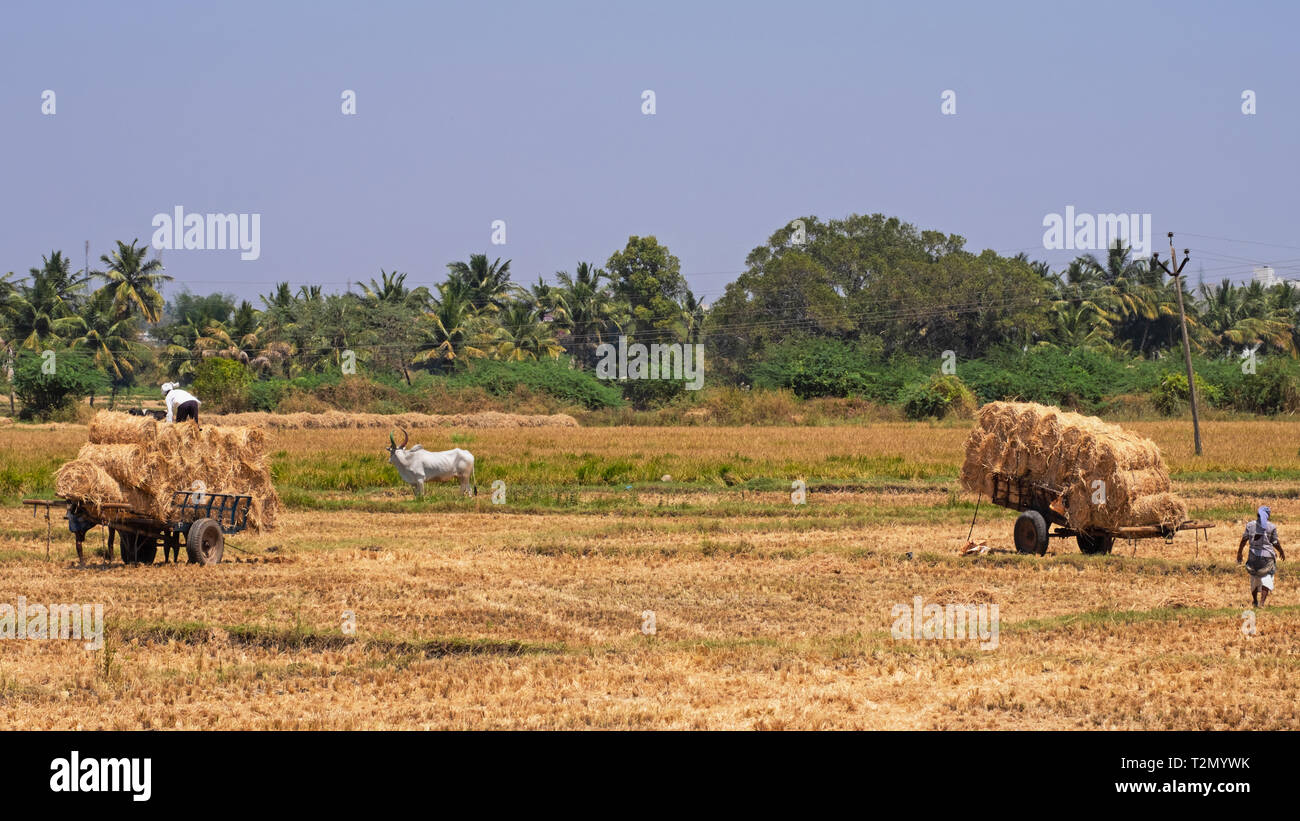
1265,276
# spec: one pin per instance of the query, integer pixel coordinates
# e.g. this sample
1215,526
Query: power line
1242,241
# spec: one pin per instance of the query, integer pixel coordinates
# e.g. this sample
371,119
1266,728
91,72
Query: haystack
142,462
1071,452
87,482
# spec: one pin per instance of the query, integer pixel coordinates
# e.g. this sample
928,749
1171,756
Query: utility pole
1182,316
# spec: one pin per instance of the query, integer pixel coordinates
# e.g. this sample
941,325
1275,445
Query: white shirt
175,398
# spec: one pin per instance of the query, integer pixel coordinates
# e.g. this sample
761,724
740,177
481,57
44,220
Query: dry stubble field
528,614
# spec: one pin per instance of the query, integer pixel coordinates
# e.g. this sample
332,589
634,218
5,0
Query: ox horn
406,437
391,441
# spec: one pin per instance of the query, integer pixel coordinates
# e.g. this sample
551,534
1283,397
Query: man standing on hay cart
181,404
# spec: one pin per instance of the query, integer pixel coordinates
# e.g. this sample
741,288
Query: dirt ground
365,610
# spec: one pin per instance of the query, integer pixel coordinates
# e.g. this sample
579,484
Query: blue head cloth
1263,513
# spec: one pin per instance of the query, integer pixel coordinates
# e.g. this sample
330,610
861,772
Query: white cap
167,387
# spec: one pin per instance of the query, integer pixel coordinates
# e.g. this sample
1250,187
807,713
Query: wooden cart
1041,505
199,521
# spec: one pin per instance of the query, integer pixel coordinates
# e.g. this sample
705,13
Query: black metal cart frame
199,521
1042,505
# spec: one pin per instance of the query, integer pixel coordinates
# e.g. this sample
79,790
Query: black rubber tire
146,549
136,548
205,542
126,546
1094,543
1031,533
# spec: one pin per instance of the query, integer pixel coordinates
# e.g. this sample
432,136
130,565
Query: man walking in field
1265,550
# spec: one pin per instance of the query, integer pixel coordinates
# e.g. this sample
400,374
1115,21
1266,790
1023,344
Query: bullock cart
1042,505
199,521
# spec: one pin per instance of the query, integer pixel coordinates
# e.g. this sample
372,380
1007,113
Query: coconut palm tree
1082,311
1284,302
65,287
591,315
549,299
272,359
1141,309
455,329
1082,324
1242,316
523,335
287,337
329,325
7,293
112,342
694,314
487,284
391,289
133,281
39,312
8,299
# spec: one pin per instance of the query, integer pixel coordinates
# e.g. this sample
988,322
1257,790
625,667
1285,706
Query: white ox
416,465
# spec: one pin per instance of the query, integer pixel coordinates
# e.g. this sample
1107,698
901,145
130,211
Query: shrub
554,378
938,397
265,395
357,393
650,393
54,394
1171,395
828,367
1273,388
222,384
733,406
1076,378
299,401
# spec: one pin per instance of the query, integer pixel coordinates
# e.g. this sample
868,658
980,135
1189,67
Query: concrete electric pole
1182,317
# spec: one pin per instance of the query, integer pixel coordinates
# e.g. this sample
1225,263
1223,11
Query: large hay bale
88,482
1160,508
129,465
1072,453
108,428
146,462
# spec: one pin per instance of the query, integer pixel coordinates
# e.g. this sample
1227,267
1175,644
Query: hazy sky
532,113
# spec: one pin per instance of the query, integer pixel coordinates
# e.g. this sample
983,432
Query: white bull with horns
416,465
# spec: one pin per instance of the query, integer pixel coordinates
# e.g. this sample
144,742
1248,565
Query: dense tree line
874,285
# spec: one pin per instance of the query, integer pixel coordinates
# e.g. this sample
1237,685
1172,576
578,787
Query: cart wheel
1095,542
146,549
126,546
137,549
1031,533
205,542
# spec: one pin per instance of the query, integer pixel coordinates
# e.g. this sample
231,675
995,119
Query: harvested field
769,615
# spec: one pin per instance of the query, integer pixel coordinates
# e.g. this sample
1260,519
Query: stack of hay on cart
142,462
1070,452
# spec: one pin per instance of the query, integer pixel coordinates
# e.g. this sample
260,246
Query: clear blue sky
531,113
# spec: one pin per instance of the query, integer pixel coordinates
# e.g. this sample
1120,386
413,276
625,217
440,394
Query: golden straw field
769,615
